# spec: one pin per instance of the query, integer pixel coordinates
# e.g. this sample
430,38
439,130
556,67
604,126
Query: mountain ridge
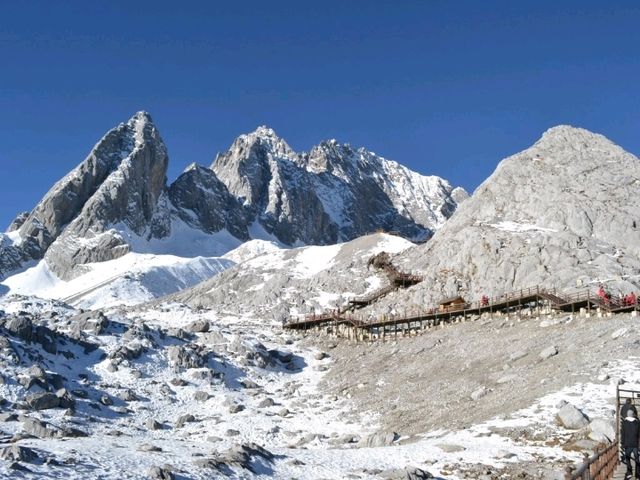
260,184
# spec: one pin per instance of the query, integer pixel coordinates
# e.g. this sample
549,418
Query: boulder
267,402
408,473
21,327
182,419
201,396
152,424
65,398
602,430
282,356
243,456
16,453
91,322
37,428
548,352
43,401
379,439
182,357
160,473
572,418
198,326
478,393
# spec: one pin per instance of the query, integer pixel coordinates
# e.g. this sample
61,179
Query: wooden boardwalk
619,473
528,298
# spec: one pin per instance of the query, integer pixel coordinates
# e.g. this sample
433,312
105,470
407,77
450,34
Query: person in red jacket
629,437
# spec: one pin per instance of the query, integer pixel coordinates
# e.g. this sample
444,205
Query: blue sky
444,87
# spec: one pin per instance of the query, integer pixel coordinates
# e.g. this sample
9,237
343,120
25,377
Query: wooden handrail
601,465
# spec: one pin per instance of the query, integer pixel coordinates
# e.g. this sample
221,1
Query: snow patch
515,227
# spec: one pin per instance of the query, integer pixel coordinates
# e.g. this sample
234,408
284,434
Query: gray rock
408,473
16,453
160,473
379,439
572,418
148,447
478,393
198,326
182,357
42,401
246,383
182,419
91,322
602,430
37,428
65,399
548,352
8,417
178,382
236,408
243,456
265,403
128,396
152,424
320,355
201,396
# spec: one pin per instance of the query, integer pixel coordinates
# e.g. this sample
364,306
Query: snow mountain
562,213
345,193
117,201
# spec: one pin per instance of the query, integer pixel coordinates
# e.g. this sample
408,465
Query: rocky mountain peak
561,213
117,199
120,182
566,138
329,156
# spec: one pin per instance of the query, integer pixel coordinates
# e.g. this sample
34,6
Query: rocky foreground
167,391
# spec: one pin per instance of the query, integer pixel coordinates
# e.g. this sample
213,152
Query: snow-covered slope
285,282
128,280
165,389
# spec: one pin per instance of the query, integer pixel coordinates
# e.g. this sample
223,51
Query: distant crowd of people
624,300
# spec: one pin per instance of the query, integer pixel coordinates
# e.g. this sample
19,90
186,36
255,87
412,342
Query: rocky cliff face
563,213
121,181
202,201
333,193
118,197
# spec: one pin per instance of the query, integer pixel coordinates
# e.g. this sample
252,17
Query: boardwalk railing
601,465
516,300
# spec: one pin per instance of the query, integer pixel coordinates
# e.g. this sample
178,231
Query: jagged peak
195,166
139,120
265,137
265,131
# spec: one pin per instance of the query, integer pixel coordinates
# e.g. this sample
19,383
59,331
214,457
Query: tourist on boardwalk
629,438
625,408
